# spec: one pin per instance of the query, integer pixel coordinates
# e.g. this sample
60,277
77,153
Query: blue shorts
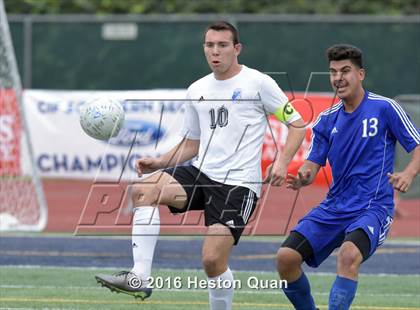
326,230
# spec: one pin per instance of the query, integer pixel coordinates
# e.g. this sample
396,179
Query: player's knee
287,260
212,263
349,256
142,195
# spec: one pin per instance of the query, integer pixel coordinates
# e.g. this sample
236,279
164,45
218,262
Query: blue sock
299,294
342,293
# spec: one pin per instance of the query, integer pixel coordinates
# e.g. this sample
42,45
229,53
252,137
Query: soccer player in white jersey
357,136
224,126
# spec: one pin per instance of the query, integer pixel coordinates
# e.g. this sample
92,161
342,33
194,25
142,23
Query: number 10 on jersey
219,117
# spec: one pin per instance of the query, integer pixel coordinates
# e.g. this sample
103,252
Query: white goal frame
34,184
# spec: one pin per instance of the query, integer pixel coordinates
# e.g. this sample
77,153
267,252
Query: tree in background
385,7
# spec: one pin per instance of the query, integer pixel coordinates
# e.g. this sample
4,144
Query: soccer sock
146,226
221,296
342,293
299,294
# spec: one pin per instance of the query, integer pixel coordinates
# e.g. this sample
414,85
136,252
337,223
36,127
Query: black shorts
229,205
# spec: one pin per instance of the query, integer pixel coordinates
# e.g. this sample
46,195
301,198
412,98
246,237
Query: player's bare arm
276,172
401,181
183,151
306,175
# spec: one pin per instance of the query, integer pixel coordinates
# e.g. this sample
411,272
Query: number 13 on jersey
370,127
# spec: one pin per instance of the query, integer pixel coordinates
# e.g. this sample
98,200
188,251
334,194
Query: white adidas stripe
328,111
409,126
313,133
403,116
333,109
248,208
310,146
251,203
245,203
382,170
407,120
384,230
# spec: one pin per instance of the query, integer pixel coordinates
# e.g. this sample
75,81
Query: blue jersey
360,147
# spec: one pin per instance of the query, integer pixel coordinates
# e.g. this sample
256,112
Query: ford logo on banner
144,132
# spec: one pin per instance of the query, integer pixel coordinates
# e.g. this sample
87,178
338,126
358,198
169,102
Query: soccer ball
102,118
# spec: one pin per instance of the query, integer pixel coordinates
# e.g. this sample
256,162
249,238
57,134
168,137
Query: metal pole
27,52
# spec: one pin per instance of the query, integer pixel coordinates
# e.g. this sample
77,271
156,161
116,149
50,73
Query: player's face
346,78
220,51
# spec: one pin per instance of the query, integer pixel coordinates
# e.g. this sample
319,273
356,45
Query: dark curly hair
345,51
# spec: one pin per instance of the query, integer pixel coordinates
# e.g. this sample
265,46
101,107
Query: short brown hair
224,26
345,51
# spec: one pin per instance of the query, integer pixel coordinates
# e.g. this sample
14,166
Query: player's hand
400,181
268,174
297,181
147,165
275,174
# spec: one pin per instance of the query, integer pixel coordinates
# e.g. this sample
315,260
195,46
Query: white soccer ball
102,118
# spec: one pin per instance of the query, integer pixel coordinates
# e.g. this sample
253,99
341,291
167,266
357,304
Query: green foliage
389,7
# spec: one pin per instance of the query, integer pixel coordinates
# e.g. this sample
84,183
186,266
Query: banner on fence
63,150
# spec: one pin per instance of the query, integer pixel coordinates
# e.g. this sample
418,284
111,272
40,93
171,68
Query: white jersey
229,117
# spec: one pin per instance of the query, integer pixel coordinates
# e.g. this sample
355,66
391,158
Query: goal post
22,202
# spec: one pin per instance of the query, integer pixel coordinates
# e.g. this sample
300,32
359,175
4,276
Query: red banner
10,133
309,107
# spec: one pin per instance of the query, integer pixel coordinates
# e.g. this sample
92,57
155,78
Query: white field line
263,239
193,290
113,269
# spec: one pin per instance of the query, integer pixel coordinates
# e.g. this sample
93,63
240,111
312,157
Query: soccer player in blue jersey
357,136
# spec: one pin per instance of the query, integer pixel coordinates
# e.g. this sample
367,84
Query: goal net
22,202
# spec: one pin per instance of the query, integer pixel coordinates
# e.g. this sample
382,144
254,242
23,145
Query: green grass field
76,288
